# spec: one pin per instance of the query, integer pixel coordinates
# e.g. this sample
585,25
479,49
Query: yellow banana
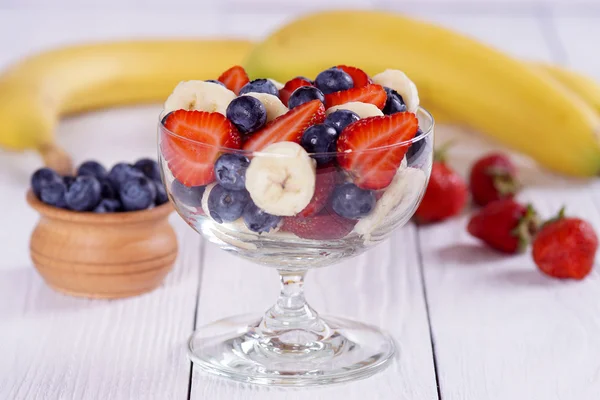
498,95
583,86
35,92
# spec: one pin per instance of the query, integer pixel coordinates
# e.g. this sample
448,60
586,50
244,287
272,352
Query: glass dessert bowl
266,197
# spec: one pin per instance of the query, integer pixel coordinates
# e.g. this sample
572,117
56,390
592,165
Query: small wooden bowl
102,255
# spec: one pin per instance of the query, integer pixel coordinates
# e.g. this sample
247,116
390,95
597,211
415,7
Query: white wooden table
470,324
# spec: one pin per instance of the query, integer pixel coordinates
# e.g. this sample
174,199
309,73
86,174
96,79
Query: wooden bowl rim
49,211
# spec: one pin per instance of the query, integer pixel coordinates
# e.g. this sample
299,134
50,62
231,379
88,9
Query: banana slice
200,96
274,106
398,81
363,110
399,198
277,84
281,180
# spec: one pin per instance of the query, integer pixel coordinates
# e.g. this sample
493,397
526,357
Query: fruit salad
340,160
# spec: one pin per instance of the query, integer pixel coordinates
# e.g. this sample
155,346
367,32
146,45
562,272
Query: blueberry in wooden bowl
102,233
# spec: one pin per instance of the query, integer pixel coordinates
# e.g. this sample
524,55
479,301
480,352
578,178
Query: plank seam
550,34
195,319
426,300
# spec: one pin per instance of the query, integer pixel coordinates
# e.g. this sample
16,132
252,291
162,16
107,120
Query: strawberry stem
504,182
560,215
527,227
440,153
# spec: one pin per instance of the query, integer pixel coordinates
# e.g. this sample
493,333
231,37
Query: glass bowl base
239,349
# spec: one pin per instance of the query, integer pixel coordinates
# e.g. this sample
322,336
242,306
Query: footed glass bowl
290,344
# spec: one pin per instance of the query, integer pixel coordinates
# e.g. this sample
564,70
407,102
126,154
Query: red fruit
445,197
373,94
323,188
359,76
191,161
288,127
369,166
493,177
234,78
286,91
565,247
319,227
505,225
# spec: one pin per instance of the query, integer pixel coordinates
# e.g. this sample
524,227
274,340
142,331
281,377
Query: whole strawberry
504,225
493,177
446,194
565,247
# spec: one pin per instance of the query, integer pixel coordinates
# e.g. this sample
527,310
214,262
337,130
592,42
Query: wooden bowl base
104,256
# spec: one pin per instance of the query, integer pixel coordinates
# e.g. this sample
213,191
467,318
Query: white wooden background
470,324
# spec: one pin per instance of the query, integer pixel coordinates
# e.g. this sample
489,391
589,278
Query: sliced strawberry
319,227
359,76
373,94
369,148
191,161
287,128
323,188
234,78
286,91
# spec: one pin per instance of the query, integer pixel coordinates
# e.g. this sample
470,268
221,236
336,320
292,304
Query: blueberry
304,94
415,149
43,177
258,220
54,194
68,180
394,102
190,196
260,86
122,172
340,119
84,193
320,138
215,81
149,168
107,189
247,113
93,168
230,170
108,206
333,80
350,201
226,205
161,193
137,193
164,119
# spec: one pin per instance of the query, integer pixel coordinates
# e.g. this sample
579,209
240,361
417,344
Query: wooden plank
575,38
501,329
381,287
53,346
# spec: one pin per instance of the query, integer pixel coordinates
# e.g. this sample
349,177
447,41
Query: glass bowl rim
415,139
